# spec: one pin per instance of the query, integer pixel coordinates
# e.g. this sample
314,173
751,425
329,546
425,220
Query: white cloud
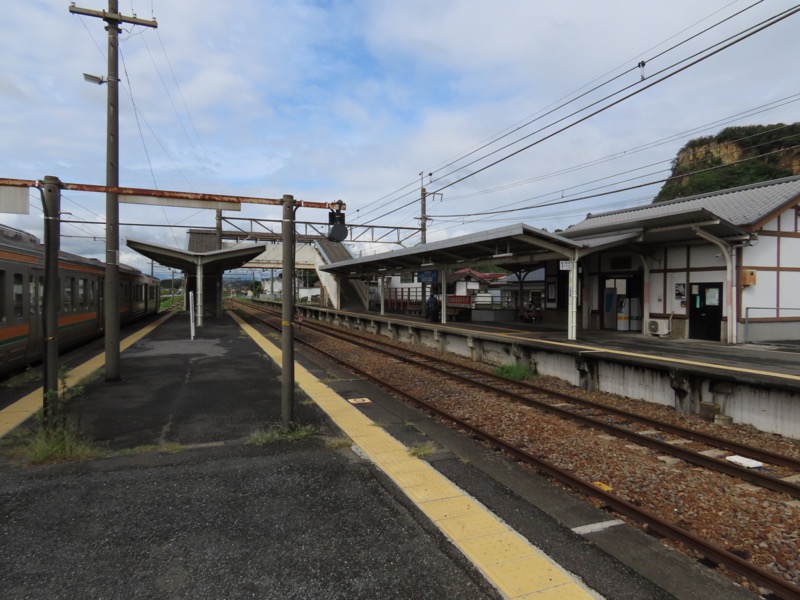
352,99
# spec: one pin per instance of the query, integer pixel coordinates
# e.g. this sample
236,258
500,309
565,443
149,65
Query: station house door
705,311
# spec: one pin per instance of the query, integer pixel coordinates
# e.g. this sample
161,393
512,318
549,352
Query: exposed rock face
734,157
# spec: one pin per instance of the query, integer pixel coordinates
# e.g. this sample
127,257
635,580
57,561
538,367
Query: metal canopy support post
287,330
443,292
51,199
199,294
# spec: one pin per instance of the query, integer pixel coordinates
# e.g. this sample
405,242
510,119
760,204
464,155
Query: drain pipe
646,295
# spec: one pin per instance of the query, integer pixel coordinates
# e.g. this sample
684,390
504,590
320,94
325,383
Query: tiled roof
740,206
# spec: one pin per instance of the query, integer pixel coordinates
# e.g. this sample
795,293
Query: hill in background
735,156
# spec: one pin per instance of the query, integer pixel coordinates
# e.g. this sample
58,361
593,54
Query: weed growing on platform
59,445
25,378
279,434
58,438
337,443
516,372
422,450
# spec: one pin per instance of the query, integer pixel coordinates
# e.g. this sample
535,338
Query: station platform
186,505
775,361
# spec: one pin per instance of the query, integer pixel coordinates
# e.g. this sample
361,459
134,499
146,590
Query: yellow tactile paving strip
14,415
515,567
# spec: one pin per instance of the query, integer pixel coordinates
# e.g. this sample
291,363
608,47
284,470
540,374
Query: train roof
22,241
17,235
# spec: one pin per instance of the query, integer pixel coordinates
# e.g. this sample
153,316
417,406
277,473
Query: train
80,313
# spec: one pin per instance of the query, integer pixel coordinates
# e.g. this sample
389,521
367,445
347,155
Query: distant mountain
735,156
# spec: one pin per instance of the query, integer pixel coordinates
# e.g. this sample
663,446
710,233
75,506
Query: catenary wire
697,59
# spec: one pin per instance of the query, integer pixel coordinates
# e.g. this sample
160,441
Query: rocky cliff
735,156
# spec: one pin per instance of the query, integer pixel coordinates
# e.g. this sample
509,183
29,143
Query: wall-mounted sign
428,276
563,265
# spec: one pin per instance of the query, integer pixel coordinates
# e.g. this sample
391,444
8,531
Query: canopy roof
507,246
214,261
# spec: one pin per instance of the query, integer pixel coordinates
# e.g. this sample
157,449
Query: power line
595,88
625,189
499,137
700,57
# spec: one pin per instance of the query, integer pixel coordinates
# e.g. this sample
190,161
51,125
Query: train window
19,296
2,296
90,291
81,294
40,297
32,294
68,293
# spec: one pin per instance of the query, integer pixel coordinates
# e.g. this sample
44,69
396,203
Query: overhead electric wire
668,160
625,189
577,112
601,85
141,136
731,41
636,149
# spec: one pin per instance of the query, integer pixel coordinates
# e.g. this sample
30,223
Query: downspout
382,293
199,277
443,290
731,300
645,294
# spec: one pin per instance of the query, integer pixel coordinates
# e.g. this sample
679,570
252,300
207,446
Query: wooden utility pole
111,284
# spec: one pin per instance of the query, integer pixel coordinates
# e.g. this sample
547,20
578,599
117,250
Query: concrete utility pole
111,284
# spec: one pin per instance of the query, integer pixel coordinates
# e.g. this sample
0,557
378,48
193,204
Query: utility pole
111,285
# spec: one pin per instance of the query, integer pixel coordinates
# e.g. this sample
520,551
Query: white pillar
200,294
572,321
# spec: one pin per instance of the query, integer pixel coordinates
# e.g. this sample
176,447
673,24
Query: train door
705,311
101,297
35,312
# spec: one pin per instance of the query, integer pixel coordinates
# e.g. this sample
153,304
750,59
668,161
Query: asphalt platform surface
199,511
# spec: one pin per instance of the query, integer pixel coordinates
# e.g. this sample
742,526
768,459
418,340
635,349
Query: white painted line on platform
595,527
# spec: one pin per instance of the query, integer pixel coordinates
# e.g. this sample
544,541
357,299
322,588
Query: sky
507,111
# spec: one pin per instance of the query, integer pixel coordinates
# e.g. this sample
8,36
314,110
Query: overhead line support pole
287,314
51,200
111,283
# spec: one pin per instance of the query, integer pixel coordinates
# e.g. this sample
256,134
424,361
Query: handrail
772,308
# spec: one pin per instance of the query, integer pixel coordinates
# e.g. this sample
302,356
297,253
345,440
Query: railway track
573,408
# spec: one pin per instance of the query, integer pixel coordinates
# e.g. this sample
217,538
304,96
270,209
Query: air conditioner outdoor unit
658,326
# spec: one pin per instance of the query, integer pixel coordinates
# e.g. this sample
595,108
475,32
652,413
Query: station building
722,266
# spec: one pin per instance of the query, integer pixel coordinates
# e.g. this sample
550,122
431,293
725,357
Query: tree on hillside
736,156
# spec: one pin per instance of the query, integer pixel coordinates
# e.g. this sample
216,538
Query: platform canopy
211,261
510,247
